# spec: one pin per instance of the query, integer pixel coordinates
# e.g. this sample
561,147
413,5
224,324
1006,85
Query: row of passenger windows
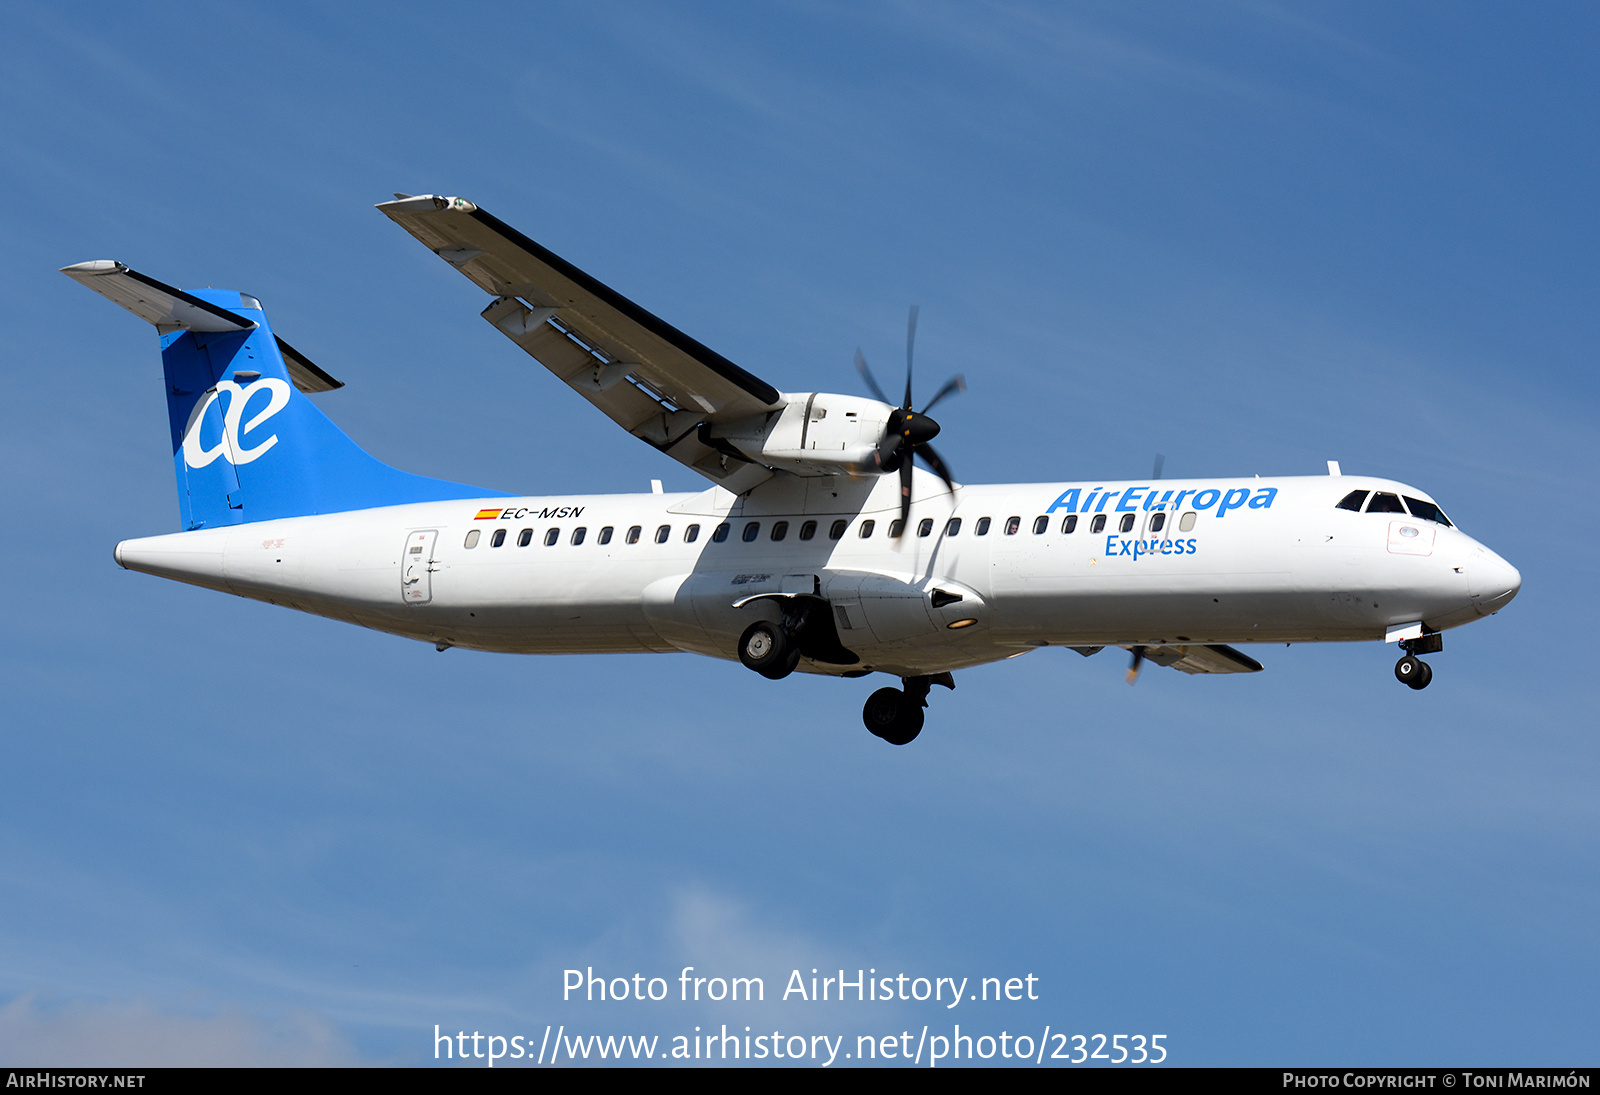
808,530
1383,501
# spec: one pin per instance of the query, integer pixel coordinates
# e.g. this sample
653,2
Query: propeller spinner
907,433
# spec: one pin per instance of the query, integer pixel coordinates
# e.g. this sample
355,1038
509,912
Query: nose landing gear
1411,670
896,716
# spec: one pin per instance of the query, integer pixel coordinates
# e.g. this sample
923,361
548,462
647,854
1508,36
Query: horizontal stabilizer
304,372
171,309
1203,659
168,308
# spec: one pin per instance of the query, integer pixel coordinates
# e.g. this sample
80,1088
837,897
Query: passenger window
605,535
983,527
925,527
1040,524
1426,510
1098,524
1012,525
662,533
952,527
551,535
866,528
1069,523
691,534
1186,524
472,539
633,534
1158,521
808,530
1384,502
896,527
1352,501
751,531
836,530
498,538
578,534
780,529
720,533
1126,524
525,537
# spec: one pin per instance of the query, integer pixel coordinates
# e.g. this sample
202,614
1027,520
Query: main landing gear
804,629
896,716
1411,670
769,649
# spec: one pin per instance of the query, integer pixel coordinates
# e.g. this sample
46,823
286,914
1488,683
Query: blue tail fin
247,444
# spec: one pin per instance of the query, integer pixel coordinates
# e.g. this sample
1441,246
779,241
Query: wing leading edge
650,378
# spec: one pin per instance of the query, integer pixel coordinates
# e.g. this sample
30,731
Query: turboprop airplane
818,546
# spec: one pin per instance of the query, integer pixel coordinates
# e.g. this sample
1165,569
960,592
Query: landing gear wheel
1413,672
893,716
768,650
785,667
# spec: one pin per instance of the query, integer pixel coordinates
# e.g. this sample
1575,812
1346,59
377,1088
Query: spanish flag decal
487,515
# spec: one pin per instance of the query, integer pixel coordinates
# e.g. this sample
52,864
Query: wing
646,375
1203,659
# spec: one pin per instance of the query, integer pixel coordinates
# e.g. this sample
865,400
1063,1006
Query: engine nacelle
816,433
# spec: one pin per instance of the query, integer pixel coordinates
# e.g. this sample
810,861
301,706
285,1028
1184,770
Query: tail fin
246,442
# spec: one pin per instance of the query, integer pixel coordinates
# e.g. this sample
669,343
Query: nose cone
1493,582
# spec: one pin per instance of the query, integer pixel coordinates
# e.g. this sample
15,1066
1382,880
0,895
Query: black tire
1410,671
891,715
1424,676
766,649
784,668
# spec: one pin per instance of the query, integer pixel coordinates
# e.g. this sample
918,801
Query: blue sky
1250,236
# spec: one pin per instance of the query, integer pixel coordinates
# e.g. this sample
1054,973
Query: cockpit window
1352,501
1384,502
1427,511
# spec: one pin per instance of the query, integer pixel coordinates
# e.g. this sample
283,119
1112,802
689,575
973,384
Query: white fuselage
1260,560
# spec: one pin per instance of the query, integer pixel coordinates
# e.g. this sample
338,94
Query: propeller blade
911,339
933,461
957,383
1138,660
1160,461
866,375
905,493
889,452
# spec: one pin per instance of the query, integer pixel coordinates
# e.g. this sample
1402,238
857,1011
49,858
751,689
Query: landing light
959,624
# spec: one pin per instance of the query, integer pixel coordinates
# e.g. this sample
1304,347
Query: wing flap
1202,658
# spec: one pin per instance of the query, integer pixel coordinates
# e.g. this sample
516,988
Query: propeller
907,433
1133,667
